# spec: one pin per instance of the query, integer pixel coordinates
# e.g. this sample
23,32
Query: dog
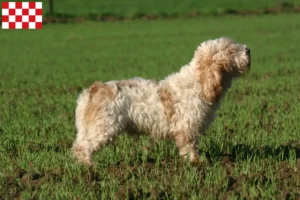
179,107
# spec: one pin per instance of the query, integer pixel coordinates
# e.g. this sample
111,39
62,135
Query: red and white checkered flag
22,15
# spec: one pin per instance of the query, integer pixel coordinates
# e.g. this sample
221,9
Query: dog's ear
211,84
209,69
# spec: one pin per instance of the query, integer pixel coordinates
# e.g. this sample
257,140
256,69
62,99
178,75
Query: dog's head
218,62
224,55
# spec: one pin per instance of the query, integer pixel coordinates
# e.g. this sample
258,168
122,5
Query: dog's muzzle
247,51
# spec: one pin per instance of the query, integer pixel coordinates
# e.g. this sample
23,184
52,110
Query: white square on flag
38,5
11,18
12,5
31,25
22,15
19,12
4,11
5,25
25,5
18,25
25,18
31,11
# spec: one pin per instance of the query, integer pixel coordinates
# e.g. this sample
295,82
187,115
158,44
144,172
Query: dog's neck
212,84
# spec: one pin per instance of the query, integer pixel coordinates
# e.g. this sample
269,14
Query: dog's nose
247,50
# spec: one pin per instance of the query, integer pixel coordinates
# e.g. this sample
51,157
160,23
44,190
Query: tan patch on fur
99,94
215,69
211,82
167,101
211,76
101,90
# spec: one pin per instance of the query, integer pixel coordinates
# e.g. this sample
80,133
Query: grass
253,147
131,9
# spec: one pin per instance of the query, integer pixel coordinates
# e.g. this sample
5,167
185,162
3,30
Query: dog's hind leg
97,121
80,146
97,135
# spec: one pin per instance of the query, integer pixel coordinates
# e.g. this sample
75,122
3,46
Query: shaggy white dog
179,107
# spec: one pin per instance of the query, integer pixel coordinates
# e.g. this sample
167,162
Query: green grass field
131,8
253,147
166,8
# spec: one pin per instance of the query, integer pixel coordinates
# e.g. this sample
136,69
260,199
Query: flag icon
22,15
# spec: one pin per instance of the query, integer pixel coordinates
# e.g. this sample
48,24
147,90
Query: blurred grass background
253,146
132,9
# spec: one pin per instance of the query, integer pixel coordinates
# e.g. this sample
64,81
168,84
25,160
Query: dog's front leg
187,146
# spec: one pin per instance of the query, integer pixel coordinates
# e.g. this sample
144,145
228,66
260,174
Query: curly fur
179,107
